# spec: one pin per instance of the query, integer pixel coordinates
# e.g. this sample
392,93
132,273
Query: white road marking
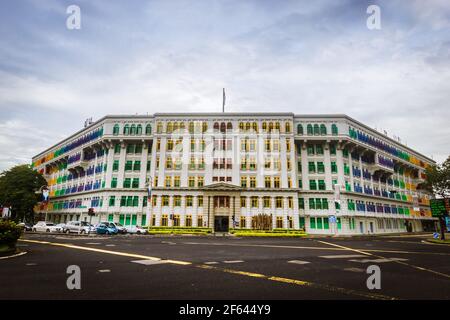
383,260
211,262
343,256
298,262
110,245
354,269
104,270
150,262
93,243
31,264
233,261
14,255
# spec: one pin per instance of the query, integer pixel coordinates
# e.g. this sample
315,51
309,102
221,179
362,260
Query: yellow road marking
226,270
381,257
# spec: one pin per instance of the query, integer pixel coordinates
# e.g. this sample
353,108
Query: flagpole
223,100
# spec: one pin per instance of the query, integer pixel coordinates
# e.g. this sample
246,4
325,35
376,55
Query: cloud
146,57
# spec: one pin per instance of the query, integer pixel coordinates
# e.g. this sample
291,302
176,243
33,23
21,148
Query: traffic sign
440,207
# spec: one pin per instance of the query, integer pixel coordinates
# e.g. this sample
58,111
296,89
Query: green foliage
267,233
438,179
18,186
9,233
179,230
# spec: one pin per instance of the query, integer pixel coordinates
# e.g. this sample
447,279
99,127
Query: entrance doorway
221,224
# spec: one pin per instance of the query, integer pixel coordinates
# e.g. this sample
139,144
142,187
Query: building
328,174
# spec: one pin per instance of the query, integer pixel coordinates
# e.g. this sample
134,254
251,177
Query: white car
136,229
78,227
45,226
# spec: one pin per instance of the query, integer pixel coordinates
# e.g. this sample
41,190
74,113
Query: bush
179,230
9,233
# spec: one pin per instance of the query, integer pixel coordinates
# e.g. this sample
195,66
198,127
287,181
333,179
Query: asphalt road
188,267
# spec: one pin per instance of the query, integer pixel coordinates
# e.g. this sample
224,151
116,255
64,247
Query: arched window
126,130
133,129
309,129
169,127
255,127
159,127
182,126
229,126
270,126
334,129
148,129
204,126
299,129
176,126
288,127
241,126
264,126
323,129
116,129
216,126
277,126
247,126
223,127
316,129
191,127
139,129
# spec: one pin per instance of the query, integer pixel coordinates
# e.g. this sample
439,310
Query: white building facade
327,174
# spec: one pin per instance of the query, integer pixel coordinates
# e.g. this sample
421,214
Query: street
191,267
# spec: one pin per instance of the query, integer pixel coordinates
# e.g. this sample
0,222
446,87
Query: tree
438,182
18,187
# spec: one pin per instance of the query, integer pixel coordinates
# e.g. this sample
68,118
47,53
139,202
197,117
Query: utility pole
223,100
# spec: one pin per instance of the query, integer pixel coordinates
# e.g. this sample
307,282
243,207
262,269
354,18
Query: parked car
26,226
120,228
106,228
45,226
137,230
61,227
81,227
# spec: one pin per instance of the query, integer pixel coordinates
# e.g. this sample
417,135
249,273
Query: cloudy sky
171,56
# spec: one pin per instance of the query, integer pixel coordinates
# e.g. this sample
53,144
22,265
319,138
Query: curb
439,244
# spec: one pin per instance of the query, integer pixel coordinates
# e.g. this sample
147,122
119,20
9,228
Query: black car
26,226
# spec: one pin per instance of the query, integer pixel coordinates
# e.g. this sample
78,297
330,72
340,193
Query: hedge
9,233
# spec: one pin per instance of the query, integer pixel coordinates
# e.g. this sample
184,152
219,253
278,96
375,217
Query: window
114,183
177,201
279,222
320,167
325,203
290,202
310,150
127,183
176,181
165,201
188,222
333,167
322,185
242,222
319,149
312,223
311,167
164,220
301,203
312,185
189,201
112,201
288,127
128,165
267,182
243,202
148,129
200,181
130,148
126,129
312,203
116,129
135,183
137,166
309,129
254,202
168,182
299,129
200,201
123,201
252,182
276,182
266,202
138,129
191,182
116,165
334,129
333,149
323,129
117,148
278,202
244,182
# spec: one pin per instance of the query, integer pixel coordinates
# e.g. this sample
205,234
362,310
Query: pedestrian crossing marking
381,260
343,256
